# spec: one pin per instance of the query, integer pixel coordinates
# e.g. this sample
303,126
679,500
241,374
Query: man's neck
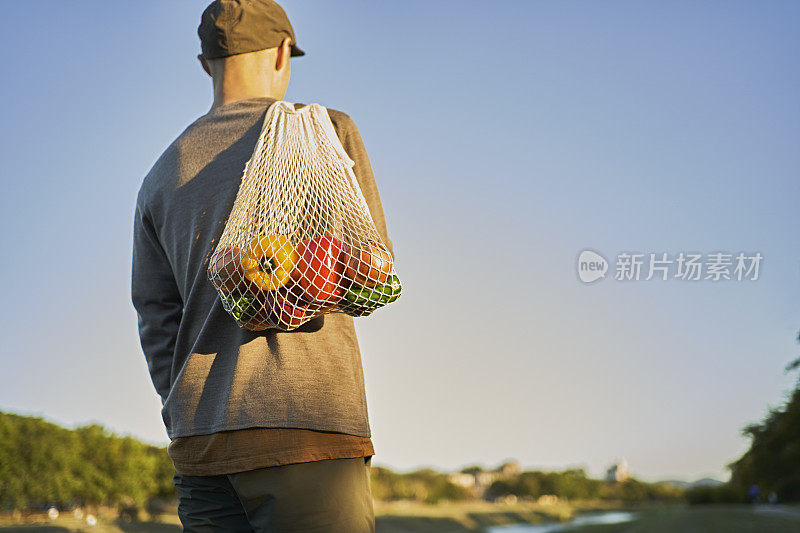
228,93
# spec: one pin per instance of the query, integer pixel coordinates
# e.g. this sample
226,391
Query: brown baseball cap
230,27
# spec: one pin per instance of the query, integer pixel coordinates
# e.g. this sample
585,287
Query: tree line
430,486
43,464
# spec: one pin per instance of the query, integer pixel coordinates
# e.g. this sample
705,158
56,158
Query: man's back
216,376
269,430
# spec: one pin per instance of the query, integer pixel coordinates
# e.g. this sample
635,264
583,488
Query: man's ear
204,63
284,51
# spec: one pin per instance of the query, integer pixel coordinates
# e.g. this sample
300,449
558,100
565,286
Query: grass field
706,519
169,524
475,517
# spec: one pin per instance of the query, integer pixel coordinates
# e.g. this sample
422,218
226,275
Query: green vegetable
364,300
242,308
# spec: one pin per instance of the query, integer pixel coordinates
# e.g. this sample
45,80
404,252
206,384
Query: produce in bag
300,240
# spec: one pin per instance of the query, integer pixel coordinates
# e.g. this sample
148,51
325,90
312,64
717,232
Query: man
269,430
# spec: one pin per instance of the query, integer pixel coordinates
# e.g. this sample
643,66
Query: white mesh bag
300,240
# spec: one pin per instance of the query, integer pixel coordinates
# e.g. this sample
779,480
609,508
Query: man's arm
354,146
157,300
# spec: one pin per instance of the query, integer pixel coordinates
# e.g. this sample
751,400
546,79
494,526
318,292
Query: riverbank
480,517
476,516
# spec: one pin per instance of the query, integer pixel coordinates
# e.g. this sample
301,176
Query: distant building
462,479
618,472
478,480
510,468
547,499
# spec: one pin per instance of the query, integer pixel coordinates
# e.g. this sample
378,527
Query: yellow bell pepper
270,261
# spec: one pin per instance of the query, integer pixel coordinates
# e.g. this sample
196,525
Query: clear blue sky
505,137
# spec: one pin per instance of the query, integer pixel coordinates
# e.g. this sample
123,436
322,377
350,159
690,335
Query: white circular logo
591,266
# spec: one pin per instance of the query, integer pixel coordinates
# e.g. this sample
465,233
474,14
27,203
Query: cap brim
296,51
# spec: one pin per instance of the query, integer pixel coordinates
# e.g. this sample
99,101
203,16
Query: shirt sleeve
354,146
157,300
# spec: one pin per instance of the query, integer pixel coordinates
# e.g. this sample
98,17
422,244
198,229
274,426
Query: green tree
773,460
42,463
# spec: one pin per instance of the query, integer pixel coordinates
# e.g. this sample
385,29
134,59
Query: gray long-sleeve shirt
212,375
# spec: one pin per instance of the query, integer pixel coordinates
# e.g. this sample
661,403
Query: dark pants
329,496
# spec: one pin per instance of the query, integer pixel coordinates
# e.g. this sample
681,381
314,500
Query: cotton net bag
300,240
